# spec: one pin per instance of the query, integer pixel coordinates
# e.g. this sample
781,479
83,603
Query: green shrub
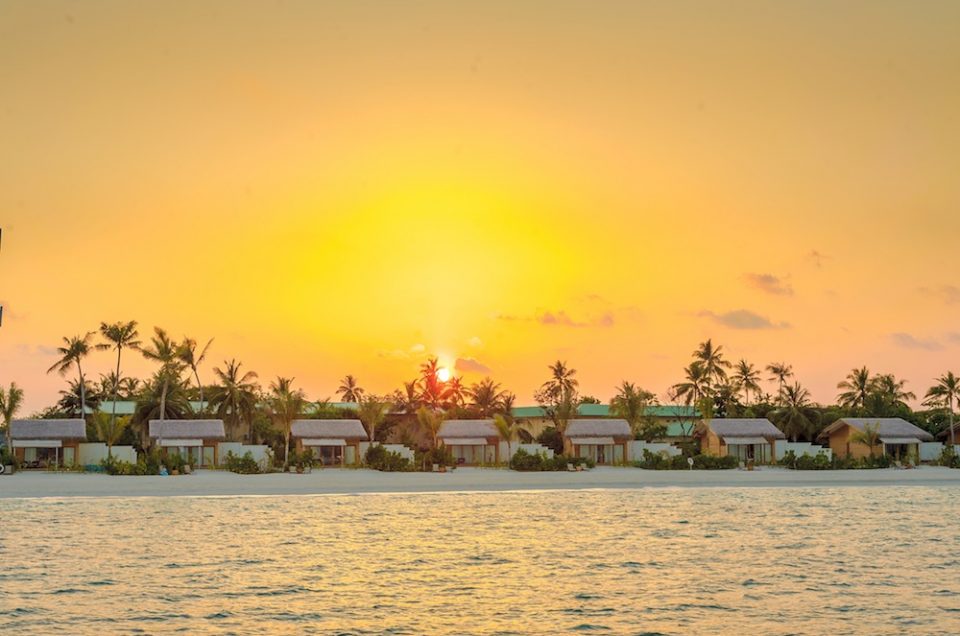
657,461
245,465
114,466
174,462
527,462
820,461
440,456
949,457
552,439
379,458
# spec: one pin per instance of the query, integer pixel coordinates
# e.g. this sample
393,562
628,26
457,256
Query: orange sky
332,188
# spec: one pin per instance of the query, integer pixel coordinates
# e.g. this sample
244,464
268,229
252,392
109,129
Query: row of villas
605,440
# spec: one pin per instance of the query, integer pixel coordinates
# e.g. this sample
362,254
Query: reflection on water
764,561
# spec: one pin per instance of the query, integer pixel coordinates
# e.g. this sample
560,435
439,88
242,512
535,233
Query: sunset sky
333,188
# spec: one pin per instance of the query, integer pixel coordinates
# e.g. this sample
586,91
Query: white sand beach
336,481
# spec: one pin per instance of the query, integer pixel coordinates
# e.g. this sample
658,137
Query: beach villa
472,442
46,443
194,440
896,437
602,440
749,438
334,442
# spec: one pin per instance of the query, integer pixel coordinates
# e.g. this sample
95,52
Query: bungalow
944,435
748,438
194,440
602,440
678,420
44,443
896,437
334,442
471,442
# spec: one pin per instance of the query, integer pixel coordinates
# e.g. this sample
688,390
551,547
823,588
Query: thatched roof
452,429
945,433
598,428
187,429
48,429
744,427
893,427
329,429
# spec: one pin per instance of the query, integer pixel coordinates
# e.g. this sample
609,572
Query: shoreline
208,483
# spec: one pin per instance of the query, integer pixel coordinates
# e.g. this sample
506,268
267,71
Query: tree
630,403
372,412
165,351
780,372
870,435
235,399
286,405
110,428
72,353
75,397
856,389
486,397
796,417
349,391
434,392
507,429
120,336
187,353
714,364
695,385
562,382
747,378
10,402
945,393
408,400
888,396
160,394
430,422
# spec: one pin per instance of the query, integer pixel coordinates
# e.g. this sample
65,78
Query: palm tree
120,335
781,372
236,397
562,381
630,403
349,390
486,397
430,422
694,386
187,353
507,429
856,389
796,417
714,364
891,393
164,394
165,351
129,387
10,402
945,393
372,412
72,353
455,391
286,405
110,428
747,378
75,397
870,435
407,401
433,391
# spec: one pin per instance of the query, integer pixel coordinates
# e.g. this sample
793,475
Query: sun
443,374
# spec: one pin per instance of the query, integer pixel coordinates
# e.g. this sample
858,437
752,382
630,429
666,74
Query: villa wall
92,453
258,451
710,444
782,447
635,449
840,443
533,449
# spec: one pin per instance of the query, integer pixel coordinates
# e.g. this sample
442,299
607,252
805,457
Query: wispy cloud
562,318
743,319
415,351
475,342
769,284
949,294
470,365
907,341
37,350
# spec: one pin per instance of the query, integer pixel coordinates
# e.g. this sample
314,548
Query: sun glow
443,374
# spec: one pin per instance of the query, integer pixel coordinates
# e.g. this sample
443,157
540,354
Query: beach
360,481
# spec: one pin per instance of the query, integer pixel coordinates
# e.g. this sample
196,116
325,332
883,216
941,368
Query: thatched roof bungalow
197,441
334,442
602,440
471,442
749,438
895,436
42,443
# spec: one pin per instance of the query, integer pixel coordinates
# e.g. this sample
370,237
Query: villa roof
892,427
48,429
744,427
452,429
603,410
187,429
598,428
329,429
945,433
129,407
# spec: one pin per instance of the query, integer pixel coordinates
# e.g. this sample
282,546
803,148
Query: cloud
416,350
907,341
743,319
562,318
949,294
37,350
769,283
954,337
470,365
475,342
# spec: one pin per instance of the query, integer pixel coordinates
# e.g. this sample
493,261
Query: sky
348,187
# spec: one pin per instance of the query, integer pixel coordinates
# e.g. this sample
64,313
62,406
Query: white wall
259,452
533,449
800,449
92,453
636,447
930,451
400,449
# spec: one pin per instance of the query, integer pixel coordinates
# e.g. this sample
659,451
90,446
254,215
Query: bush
245,465
379,458
527,462
657,461
822,462
441,456
949,457
552,439
174,462
114,466
806,462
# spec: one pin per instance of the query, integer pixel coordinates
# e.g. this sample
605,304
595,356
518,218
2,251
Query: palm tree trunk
286,447
163,400
953,440
83,393
199,386
113,411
